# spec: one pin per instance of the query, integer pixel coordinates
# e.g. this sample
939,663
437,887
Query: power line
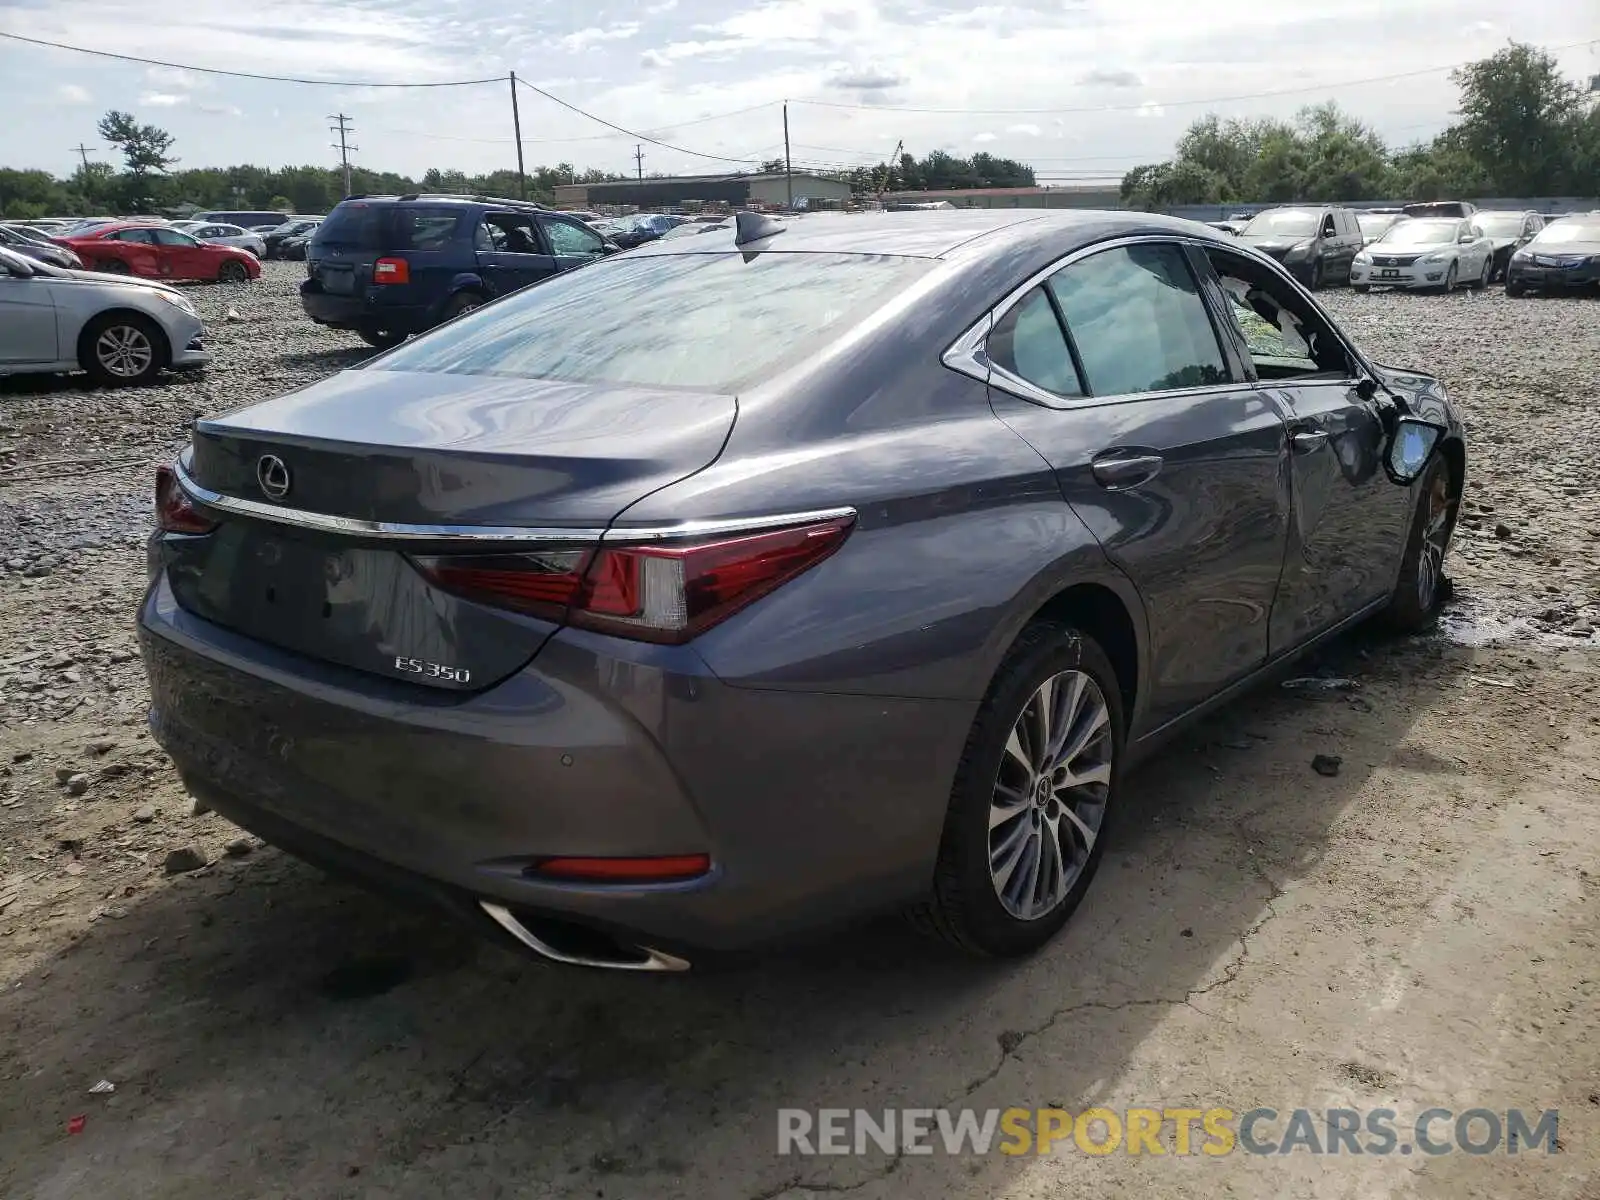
630,132
156,62
1104,108
590,137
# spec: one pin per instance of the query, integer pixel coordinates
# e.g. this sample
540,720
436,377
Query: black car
38,247
390,266
278,235
1564,256
1460,209
1509,232
1315,243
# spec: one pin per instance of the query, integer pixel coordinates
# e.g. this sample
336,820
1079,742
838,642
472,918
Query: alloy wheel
1050,794
124,351
1435,540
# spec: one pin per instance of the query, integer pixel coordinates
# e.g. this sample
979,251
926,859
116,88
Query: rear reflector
627,870
654,593
391,270
174,513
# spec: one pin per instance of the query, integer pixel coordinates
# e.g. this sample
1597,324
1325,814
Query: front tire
1421,586
119,349
1515,289
1488,273
1316,276
1025,829
1361,288
1450,279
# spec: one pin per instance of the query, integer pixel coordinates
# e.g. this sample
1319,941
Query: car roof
113,226
939,233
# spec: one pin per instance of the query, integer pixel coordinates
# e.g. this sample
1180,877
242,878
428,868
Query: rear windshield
713,322
388,228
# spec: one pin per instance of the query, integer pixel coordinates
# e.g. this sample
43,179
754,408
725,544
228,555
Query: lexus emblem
272,473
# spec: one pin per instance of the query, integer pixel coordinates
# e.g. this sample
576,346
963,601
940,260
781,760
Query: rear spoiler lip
506,536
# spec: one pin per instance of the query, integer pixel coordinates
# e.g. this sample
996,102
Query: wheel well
1100,613
163,346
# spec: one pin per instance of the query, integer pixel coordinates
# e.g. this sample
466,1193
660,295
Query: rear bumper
360,311
814,809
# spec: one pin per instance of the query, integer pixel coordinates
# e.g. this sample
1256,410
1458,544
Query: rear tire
383,339
1421,586
118,349
233,271
461,302
1003,885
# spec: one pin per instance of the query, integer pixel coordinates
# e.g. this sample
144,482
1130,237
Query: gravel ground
1417,930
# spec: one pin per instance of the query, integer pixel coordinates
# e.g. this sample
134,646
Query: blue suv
389,266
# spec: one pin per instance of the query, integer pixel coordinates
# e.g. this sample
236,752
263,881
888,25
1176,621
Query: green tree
1521,120
145,149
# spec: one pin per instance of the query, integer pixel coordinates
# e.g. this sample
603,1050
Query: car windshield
1421,233
1283,222
713,322
1499,224
1568,231
1373,224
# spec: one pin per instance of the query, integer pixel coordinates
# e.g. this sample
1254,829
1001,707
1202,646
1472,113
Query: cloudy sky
1076,88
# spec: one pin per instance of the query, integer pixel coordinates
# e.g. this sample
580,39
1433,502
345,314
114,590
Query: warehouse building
1094,195
674,191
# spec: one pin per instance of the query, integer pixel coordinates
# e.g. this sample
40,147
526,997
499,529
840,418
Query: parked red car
157,252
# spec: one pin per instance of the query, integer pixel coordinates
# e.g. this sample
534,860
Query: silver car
119,330
219,234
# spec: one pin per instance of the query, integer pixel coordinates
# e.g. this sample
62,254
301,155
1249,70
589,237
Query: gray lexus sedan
754,581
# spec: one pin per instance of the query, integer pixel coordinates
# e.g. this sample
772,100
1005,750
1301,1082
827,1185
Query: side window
568,240
430,229
172,237
1284,337
142,236
1328,228
513,233
488,238
1138,321
1029,343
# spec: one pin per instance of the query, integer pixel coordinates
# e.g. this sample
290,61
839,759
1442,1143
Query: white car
117,328
225,235
1425,252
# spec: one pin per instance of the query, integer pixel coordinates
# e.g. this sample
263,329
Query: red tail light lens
391,270
655,593
627,870
174,513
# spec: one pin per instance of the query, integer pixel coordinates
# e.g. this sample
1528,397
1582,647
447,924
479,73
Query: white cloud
71,93
171,79
583,39
220,110
1151,109
1102,77
1025,129
666,6
163,99
865,79
654,60
984,137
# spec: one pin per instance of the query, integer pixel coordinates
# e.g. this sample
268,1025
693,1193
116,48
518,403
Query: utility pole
638,157
788,165
516,128
343,128
889,174
83,152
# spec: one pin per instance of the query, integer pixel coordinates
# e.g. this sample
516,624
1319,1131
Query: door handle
1305,441
1118,469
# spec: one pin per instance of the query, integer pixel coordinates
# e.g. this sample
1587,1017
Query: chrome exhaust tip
647,960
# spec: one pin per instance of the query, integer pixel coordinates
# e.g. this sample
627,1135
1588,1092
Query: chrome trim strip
495,534
654,960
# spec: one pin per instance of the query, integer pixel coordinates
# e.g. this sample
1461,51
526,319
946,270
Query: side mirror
1410,448
1467,238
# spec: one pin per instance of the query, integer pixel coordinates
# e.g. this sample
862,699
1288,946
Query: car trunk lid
325,492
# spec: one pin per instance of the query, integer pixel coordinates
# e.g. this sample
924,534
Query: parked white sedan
1425,252
225,235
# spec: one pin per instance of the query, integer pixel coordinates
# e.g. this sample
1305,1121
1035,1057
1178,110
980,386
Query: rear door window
1028,342
424,228
513,233
144,236
1138,321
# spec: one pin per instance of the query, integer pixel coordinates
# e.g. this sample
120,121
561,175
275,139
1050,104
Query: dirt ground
1418,930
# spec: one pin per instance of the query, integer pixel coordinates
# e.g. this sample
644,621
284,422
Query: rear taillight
655,593
174,512
391,270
